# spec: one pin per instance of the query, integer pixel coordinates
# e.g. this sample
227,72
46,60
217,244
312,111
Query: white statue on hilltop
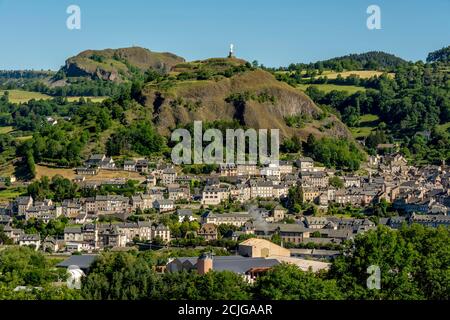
231,53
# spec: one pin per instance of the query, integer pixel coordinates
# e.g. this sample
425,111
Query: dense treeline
73,88
57,189
26,74
373,60
78,124
414,265
341,154
140,137
441,55
410,107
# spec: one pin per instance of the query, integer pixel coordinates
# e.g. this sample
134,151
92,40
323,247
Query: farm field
21,96
10,193
5,130
445,126
102,175
7,169
93,99
363,74
367,124
330,87
24,138
330,74
9,129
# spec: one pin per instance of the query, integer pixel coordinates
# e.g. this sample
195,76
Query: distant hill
24,74
118,64
229,89
215,89
373,60
441,55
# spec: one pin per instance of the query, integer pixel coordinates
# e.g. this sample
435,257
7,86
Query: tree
413,262
225,285
292,145
295,198
339,153
120,276
442,55
225,230
380,209
288,282
140,137
27,267
336,182
4,238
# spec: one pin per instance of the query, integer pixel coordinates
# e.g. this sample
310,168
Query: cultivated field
363,74
9,194
93,99
102,175
21,96
4,130
445,126
331,87
367,124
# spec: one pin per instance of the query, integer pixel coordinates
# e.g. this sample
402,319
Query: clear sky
34,35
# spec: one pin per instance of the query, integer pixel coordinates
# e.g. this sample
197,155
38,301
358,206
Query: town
294,211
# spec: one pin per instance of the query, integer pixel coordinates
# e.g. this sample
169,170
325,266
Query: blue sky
33,33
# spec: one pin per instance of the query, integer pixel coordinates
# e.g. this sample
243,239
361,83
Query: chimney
204,263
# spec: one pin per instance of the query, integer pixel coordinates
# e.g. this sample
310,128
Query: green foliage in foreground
414,263
22,266
287,282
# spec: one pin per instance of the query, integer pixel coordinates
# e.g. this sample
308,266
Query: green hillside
118,64
231,89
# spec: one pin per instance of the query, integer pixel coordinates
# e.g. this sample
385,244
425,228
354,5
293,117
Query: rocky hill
230,89
118,64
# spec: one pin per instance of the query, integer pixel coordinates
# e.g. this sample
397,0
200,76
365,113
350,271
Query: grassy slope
212,95
367,124
10,194
4,130
330,87
103,174
363,74
22,96
445,126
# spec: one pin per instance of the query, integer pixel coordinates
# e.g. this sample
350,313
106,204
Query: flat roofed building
255,247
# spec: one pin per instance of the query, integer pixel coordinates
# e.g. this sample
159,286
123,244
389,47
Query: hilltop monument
231,53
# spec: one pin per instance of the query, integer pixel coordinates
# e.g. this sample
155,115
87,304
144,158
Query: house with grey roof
234,218
84,261
164,205
33,240
100,161
185,215
237,264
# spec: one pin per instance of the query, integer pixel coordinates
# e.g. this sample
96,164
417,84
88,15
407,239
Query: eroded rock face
116,64
106,75
207,101
76,70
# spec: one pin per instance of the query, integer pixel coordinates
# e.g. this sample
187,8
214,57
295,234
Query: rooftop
237,264
83,261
